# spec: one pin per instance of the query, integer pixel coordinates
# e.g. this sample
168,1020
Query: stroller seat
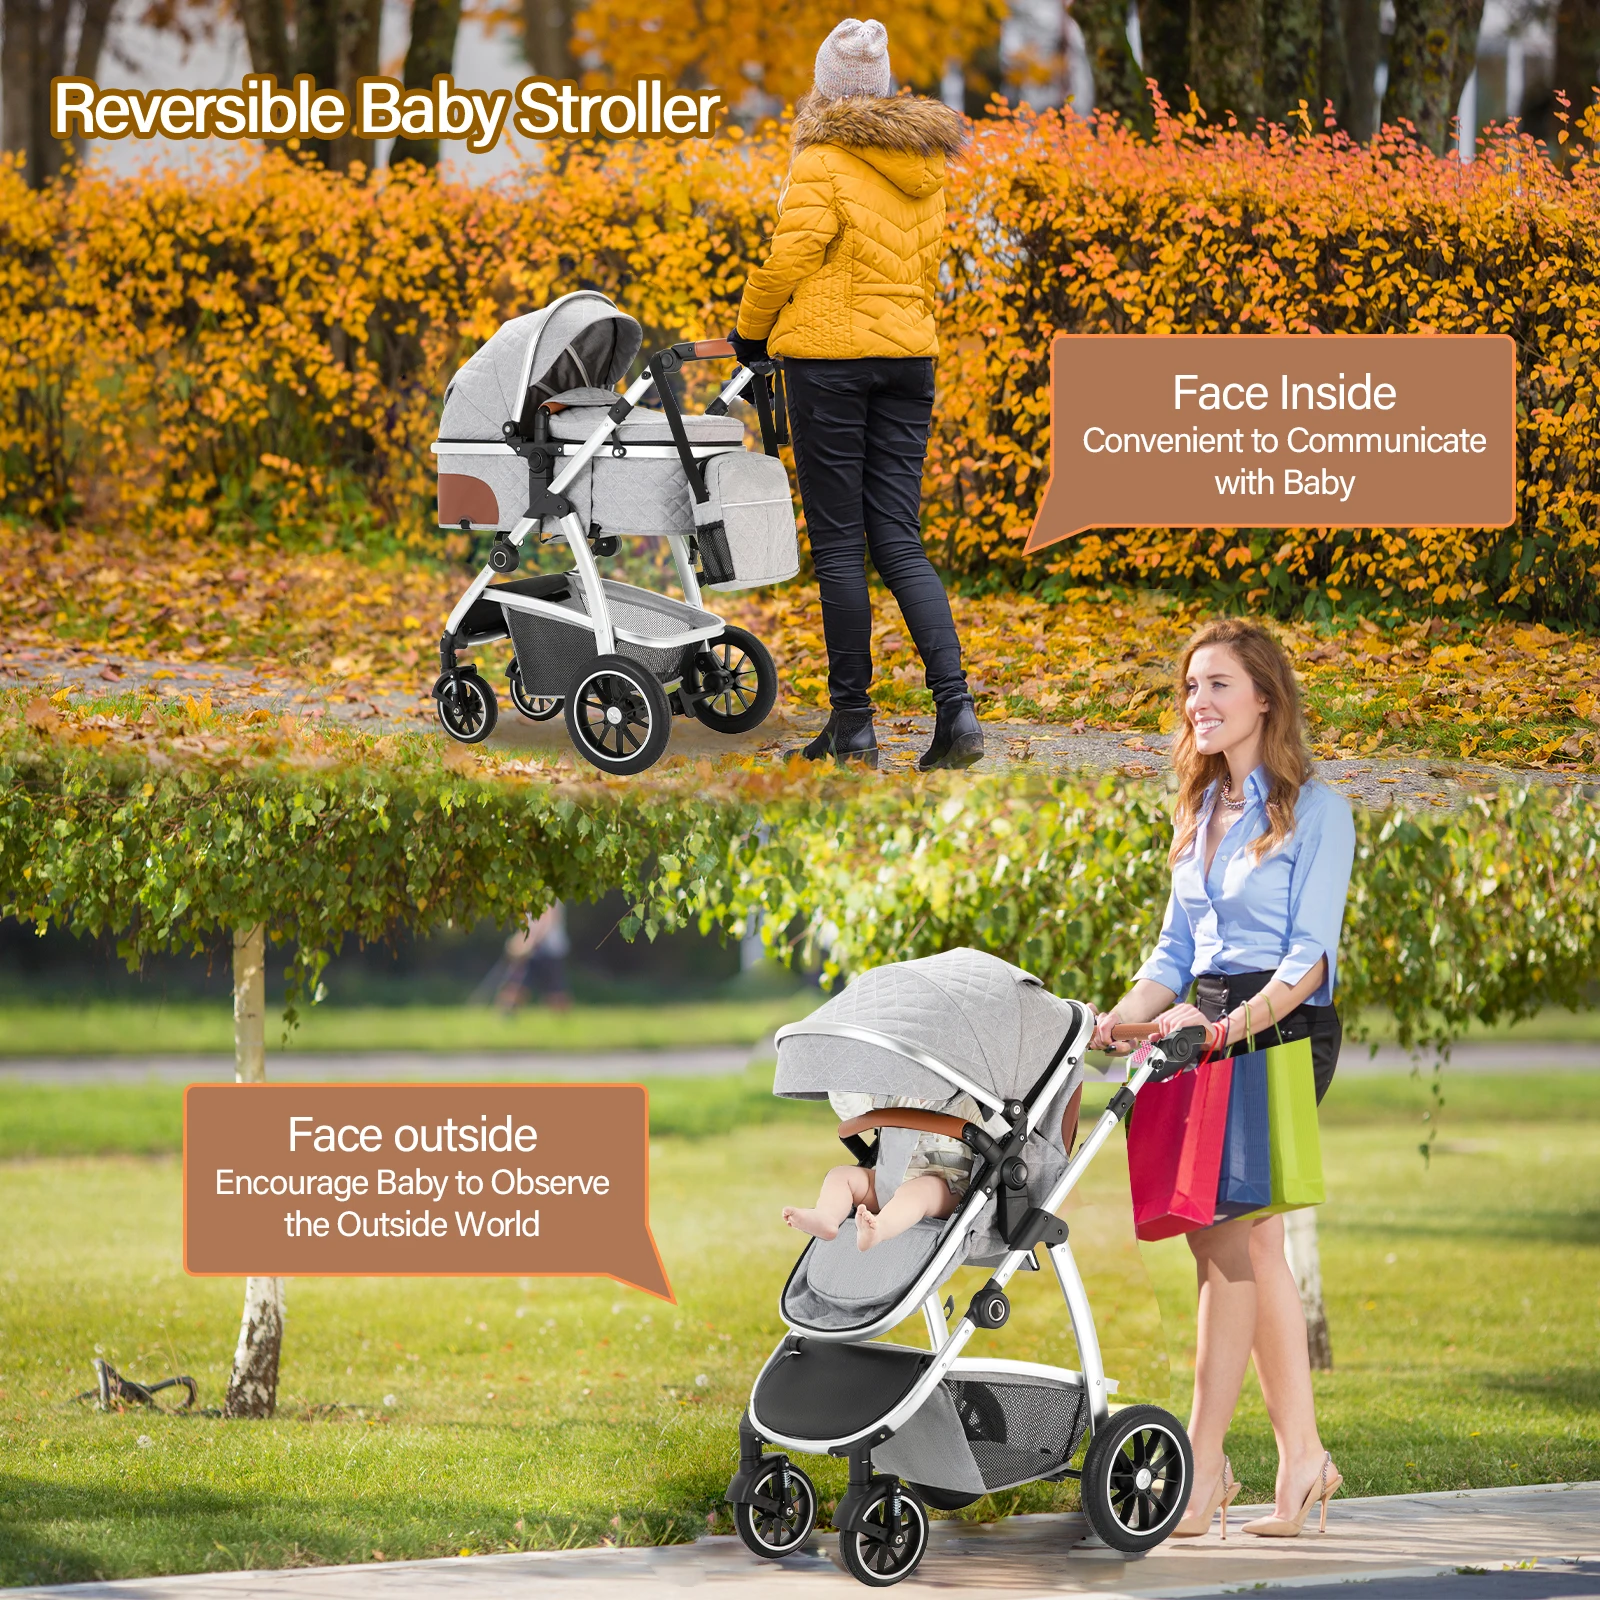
838,1287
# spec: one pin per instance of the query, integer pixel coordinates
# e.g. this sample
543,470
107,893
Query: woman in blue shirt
1261,860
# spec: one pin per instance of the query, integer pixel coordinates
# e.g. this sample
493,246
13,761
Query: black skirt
1217,993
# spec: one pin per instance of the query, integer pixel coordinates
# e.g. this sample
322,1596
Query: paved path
1420,780
1395,1546
598,1066
628,1066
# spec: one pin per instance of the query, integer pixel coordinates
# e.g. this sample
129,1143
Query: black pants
860,431
1217,993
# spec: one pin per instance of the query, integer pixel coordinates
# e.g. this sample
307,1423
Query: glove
750,353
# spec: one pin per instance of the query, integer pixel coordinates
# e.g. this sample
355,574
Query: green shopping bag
1295,1140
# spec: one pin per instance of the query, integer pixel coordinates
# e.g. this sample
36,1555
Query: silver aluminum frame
945,1353
570,528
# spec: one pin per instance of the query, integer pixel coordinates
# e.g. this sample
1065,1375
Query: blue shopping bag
1244,1181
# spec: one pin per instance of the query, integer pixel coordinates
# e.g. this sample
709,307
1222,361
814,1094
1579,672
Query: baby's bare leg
927,1196
843,1190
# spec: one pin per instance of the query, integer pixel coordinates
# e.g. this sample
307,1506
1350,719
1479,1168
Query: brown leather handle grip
1134,1030
904,1117
712,348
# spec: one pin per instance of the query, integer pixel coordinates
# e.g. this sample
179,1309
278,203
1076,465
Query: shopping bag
1244,1179
1175,1150
1295,1141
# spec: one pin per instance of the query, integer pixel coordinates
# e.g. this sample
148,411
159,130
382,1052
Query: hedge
260,346
1487,913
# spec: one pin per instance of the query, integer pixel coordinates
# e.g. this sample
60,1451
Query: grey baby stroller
928,1427
535,440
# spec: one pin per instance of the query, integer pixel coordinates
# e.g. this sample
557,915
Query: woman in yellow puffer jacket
845,299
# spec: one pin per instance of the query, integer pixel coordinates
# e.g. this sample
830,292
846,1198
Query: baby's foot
812,1222
866,1228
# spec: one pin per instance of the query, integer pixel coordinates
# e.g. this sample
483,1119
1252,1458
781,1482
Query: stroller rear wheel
1137,1474
617,715
784,1522
467,707
535,707
896,1542
738,682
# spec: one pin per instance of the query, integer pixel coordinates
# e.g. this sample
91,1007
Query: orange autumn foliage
260,346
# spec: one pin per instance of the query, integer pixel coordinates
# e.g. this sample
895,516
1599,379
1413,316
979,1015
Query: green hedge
1486,913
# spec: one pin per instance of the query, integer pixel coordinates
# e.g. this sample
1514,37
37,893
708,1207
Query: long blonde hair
1283,735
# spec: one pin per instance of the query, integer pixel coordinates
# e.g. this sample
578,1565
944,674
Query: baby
934,1185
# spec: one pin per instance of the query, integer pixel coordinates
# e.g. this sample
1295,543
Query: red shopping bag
1175,1140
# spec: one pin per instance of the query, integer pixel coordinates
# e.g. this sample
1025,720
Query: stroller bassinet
534,439
951,1428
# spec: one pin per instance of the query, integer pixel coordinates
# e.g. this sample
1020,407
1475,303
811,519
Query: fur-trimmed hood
906,138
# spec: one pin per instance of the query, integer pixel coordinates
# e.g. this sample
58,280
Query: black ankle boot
957,737
848,736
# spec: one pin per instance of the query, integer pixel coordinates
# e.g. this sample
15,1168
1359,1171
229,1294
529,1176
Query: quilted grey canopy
991,1027
579,341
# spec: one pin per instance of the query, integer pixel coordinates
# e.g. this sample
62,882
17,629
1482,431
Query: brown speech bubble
419,1180
1279,431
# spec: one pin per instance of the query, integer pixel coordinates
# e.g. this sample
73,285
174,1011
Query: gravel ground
1419,780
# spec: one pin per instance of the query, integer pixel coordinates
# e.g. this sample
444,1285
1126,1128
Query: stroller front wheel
617,715
736,681
467,707
782,1521
894,1547
1137,1473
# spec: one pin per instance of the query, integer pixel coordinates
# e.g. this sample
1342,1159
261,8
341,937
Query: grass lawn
433,1417
206,1027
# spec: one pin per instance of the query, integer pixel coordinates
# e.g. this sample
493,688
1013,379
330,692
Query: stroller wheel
740,684
535,707
1136,1478
467,707
617,715
895,1545
784,1523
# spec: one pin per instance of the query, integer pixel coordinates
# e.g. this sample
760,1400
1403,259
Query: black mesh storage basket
1017,1430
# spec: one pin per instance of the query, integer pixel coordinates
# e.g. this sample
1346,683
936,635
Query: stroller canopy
580,341
926,1030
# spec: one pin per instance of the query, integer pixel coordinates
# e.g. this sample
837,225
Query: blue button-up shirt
1275,915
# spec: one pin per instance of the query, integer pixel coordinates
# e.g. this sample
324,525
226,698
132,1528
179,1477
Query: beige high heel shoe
1320,1493
1223,1496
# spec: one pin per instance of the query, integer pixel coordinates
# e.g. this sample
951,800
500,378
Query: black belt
1217,993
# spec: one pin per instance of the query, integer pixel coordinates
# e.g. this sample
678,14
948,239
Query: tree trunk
1334,86
1577,65
1164,36
267,38
1363,49
1435,47
1225,57
547,37
1300,1246
1118,82
434,25
253,1383
359,21
1291,60
19,54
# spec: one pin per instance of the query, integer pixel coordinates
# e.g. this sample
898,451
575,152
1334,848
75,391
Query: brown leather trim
1069,1120
462,496
904,1117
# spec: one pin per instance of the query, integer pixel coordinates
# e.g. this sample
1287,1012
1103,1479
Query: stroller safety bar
903,1117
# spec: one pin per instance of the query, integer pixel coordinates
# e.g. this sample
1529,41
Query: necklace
1226,796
